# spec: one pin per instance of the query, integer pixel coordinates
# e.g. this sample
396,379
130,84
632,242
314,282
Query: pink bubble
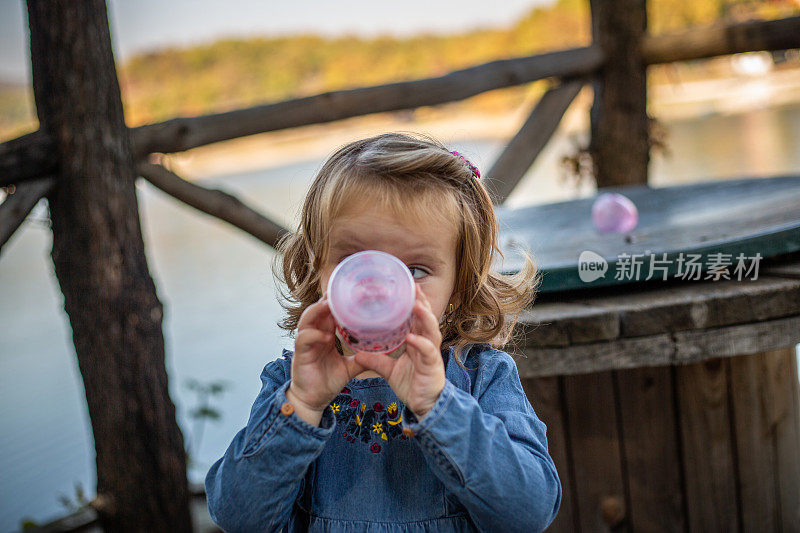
614,213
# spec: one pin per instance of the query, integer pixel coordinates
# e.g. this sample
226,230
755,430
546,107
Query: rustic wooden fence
615,64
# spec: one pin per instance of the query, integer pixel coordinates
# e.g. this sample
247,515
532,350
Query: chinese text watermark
689,266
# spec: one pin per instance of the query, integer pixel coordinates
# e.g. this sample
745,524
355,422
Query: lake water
220,300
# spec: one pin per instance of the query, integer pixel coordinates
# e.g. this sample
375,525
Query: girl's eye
419,272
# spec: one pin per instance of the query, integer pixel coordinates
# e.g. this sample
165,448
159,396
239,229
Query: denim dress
477,461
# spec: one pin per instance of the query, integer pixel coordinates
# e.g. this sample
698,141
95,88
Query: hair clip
473,168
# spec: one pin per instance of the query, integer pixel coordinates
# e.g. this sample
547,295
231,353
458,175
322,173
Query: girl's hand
417,377
318,371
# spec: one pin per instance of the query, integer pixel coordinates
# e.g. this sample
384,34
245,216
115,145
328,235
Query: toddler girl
442,438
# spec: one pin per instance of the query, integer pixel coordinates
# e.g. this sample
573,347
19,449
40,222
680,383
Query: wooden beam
181,134
25,158
16,206
185,133
634,311
664,349
530,140
30,156
707,449
782,400
595,447
754,436
545,396
648,423
702,43
213,202
619,144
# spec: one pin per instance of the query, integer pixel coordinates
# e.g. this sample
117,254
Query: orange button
287,408
408,432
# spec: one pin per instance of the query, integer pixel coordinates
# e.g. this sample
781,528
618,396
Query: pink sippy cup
371,295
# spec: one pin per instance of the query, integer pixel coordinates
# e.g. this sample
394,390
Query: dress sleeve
254,485
490,449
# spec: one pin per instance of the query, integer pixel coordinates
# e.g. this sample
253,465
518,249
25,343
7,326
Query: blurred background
723,118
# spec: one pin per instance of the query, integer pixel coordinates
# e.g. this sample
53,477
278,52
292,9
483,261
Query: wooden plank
650,441
545,397
27,157
594,441
660,350
736,340
676,306
691,306
214,202
708,456
530,140
754,444
748,36
181,134
654,350
782,399
565,324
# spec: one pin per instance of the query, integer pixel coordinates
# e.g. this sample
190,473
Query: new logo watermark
591,266
687,266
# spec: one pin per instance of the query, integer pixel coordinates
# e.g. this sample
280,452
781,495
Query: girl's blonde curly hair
411,174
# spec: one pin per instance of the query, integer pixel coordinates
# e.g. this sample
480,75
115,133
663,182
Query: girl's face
426,245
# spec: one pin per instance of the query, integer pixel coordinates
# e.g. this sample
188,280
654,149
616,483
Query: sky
138,25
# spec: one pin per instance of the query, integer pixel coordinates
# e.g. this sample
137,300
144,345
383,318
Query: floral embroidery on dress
373,426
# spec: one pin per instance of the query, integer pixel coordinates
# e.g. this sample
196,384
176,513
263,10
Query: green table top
709,230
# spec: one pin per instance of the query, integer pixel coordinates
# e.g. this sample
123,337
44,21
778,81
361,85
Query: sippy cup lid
371,291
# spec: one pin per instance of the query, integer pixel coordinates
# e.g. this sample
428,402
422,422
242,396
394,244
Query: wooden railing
27,161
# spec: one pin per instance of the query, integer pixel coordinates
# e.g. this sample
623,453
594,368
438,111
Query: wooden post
619,125
101,266
765,399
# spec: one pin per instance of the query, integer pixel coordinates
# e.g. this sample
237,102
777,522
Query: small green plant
577,165
27,523
203,411
79,500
